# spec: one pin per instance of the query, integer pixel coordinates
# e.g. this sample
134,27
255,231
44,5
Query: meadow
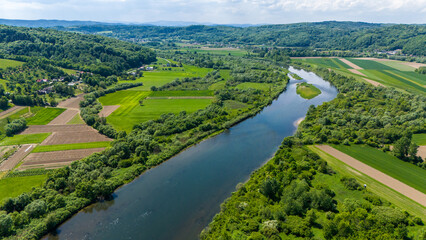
403,171
218,51
389,73
419,139
374,186
13,187
5,63
72,146
307,91
24,139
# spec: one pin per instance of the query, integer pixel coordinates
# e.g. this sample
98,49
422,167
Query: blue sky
218,11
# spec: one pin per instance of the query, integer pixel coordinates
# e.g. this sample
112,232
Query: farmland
24,139
72,146
419,139
388,164
388,73
373,185
12,187
44,116
260,86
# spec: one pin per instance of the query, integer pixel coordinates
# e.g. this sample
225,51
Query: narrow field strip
24,139
64,118
58,156
351,64
107,110
375,186
22,152
73,146
375,174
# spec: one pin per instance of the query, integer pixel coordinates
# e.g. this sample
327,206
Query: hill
356,36
91,53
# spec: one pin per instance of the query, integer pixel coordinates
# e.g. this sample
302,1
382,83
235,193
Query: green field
181,93
419,139
13,187
44,116
389,73
307,91
126,118
374,186
73,146
131,113
260,86
76,120
5,63
24,139
403,171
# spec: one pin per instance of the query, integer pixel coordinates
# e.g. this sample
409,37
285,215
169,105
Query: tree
6,225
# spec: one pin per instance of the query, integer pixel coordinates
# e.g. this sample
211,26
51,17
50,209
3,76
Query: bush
15,126
351,183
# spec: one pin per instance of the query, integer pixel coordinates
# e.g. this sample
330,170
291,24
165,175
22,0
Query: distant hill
331,35
47,23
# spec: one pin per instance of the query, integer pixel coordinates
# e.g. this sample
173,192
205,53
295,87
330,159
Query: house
46,90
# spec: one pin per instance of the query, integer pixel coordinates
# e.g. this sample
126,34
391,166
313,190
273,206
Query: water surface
178,198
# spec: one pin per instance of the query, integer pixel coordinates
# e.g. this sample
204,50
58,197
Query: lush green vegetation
24,139
307,91
44,116
90,53
295,76
374,186
13,187
16,126
324,35
297,195
247,85
73,146
181,93
419,139
405,172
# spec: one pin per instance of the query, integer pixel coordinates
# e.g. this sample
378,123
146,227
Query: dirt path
64,117
377,175
374,83
22,152
10,111
107,110
72,103
422,152
57,128
352,65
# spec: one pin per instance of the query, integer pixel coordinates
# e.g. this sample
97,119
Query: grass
374,186
231,104
419,139
217,51
76,120
307,91
24,139
181,93
44,116
407,173
73,146
125,118
5,63
218,86
13,187
260,86
397,65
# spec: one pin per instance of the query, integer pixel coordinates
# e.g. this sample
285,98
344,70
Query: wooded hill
355,36
90,53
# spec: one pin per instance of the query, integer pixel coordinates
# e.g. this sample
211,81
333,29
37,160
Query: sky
218,11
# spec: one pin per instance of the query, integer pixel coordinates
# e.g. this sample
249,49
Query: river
178,198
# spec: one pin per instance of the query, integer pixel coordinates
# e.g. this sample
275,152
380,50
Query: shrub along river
178,198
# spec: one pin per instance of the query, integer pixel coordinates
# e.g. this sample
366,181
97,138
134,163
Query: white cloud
219,11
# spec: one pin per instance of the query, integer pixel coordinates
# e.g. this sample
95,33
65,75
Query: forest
353,36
